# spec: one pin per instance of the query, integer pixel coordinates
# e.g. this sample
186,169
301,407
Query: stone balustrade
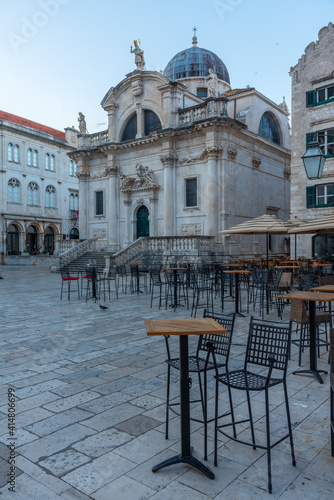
212,107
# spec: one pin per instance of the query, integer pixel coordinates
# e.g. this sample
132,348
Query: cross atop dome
194,37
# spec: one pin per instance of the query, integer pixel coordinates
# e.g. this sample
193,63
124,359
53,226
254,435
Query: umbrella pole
267,244
295,246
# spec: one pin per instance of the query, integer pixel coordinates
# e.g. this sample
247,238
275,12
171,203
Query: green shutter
310,196
310,98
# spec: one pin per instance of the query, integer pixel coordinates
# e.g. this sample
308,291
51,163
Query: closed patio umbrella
265,224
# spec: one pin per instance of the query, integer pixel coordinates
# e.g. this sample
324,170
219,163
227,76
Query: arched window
50,197
47,161
74,202
14,191
35,158
151,122
269,128
73,167
32,193
130,130
10,152
16,153
74,234
52,162
29,157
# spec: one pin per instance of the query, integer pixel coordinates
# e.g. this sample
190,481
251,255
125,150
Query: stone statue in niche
139,55
82,123
212,83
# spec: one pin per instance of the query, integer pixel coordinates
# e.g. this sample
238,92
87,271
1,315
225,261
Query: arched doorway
32,239
13,247
74,234
143,226
49,240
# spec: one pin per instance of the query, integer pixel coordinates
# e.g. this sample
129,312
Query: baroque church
184,154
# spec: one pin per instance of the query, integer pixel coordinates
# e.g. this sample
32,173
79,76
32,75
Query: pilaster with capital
112,121
168,162
113,192
127,219
83,176
213,154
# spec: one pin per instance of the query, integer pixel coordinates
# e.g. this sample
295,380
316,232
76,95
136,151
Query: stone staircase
97,257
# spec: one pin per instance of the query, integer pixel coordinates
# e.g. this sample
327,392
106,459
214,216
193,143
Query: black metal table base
190,460
315,373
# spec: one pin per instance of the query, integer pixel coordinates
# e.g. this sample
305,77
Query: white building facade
313,119
39,192
184,155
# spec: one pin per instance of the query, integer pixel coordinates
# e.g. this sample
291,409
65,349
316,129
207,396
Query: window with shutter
310,196
310,98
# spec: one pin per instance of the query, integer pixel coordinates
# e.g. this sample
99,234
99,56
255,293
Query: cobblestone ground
90,388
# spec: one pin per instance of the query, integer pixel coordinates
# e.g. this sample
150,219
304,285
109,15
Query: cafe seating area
92,393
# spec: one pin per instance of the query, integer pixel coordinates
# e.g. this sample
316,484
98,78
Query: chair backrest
222,342
326,280
266,338
65,273
332,357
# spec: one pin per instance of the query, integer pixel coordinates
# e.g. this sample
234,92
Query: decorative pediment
192,159
143,181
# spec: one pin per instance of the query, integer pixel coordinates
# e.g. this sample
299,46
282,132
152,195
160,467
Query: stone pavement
90,389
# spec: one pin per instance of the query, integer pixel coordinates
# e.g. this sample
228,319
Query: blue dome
195,61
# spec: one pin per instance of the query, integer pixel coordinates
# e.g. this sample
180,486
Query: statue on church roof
82,124
212,83
139,54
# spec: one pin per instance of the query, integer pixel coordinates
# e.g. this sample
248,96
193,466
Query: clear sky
60,57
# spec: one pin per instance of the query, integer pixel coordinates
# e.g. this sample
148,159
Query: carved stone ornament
142,182
137,88
213,152
100,233
140,201
256,161
168,159
191,229
105,173
83,176
287,172
192,159
232,152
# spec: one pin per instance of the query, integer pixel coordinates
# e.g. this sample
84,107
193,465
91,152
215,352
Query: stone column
112,213
83,176
212,199
140,122
127,229
112,121
153,214
168,162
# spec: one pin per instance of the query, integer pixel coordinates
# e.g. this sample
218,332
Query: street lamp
314,161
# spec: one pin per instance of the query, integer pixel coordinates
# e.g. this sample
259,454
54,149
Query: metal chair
267,347
67,278
157,282
201,363
332,389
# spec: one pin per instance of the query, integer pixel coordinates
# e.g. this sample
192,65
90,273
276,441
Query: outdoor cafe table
175,270
236,294
136,267
311,298
93,276
183,328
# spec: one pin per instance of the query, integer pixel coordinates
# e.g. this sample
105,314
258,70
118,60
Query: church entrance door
143,226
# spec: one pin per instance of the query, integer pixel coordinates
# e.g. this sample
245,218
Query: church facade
184,154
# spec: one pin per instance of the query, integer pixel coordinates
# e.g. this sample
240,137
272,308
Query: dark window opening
99,203
202,92
191,192
269,129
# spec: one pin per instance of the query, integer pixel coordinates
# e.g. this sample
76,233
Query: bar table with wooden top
236,273
183,328
175,270
311,298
